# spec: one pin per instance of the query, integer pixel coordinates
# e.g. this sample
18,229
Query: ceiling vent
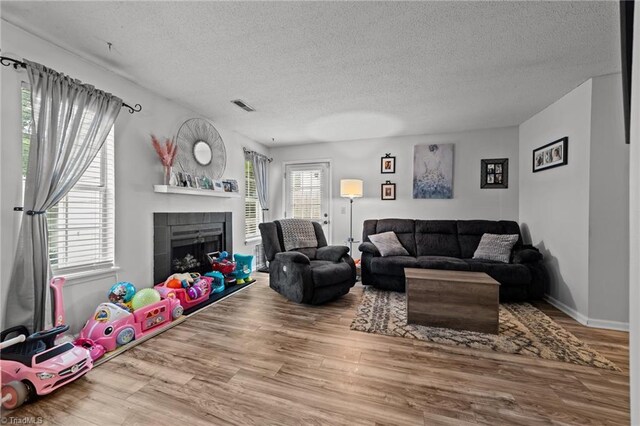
243,105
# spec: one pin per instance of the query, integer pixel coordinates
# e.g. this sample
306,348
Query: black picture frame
551,155
388,191
494,173
387,164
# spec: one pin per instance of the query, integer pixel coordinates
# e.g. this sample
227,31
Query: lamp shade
351,188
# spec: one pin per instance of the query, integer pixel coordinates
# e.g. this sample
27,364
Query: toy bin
182,294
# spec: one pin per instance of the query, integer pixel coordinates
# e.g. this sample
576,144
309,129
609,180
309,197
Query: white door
307,193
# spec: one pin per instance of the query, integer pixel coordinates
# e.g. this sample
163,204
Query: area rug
524,330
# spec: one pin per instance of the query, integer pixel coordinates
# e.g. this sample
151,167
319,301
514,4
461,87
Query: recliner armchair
312,275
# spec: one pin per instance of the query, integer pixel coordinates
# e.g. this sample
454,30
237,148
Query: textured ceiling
342,70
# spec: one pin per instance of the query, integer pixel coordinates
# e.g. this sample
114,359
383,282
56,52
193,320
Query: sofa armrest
332,253
292,257
528,254
369,248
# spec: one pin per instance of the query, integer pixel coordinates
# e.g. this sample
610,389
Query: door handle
326,222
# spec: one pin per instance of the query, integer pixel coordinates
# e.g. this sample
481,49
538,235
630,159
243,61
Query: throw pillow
496,247
388,244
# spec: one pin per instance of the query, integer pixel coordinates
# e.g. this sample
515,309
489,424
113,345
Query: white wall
136,166
608,204
578,214
361,160
554,203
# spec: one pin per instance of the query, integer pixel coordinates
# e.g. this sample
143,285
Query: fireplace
181,241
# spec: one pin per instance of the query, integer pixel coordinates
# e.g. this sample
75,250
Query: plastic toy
95,350
243,268
112,326
189,278
122,292
34,365
173,283
226,267
56,285
144,297
217,283
190,296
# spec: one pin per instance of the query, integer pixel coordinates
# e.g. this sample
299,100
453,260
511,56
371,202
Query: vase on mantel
169,177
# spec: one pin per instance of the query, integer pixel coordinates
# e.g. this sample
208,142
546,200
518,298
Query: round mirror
202,153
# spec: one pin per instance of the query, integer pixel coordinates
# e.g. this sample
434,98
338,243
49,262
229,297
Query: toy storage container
181,293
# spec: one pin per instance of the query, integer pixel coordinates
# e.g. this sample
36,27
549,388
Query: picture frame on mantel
494,173
554,154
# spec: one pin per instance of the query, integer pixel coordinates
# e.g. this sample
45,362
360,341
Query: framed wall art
388,191
388,164
433,171
494,173
554,154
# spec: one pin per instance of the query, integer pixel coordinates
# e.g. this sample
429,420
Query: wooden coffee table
452,299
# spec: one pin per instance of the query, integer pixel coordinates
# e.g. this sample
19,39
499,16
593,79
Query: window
81,225
252,208
307,194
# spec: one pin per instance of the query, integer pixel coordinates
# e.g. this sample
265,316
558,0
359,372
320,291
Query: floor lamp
350,188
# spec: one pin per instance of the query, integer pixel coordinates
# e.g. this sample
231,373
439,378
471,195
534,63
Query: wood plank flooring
256,358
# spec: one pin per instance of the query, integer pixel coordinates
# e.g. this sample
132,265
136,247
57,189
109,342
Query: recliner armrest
369,248
528,254
292,256
331,253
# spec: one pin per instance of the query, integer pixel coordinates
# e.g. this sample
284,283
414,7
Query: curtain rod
7,62
248,151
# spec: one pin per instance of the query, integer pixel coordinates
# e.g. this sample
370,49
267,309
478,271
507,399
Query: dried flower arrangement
166,152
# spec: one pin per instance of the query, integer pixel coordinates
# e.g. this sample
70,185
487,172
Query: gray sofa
312,275
449,245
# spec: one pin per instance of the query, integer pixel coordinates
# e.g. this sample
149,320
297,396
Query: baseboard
609,325
583,319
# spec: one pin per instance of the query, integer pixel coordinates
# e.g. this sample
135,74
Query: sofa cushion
470,232
393,265
496,247
388,244
326,273
437,238
442,262
403,228
504,273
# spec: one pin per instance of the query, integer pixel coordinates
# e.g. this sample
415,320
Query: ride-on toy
34,365
112,325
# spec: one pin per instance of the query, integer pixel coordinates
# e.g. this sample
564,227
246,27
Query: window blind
305,187
81,226
252,209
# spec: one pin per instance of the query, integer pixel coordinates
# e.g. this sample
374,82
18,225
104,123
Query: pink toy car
112,325
33,365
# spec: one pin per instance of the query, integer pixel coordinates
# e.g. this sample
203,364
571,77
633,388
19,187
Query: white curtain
71,121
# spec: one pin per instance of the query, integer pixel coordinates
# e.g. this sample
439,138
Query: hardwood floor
256,358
